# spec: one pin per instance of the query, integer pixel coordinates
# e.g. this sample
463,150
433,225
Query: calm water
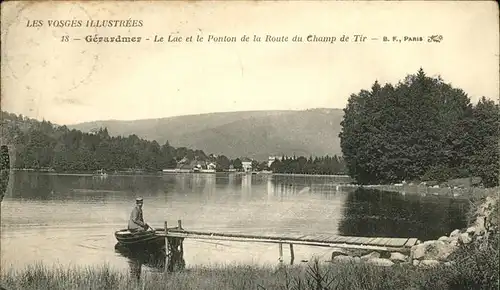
70,220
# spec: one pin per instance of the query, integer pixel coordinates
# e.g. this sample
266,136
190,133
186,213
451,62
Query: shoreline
423,190
160,173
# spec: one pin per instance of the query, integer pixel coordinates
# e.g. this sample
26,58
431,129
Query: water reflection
246,186
72,209
388,214
137,257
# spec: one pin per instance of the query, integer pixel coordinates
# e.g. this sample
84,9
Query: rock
471,230
357,259
454,238
440,250
455,233
433,250
443,239
429,263
416,262
454,243
398,257
464,238
380,262
339,252
418,251
372,255
343,259
430,242
480,226
449,263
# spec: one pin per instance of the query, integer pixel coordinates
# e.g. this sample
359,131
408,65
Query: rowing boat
125,237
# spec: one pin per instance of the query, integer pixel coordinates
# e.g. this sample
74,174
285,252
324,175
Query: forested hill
39,145
255,134
42,145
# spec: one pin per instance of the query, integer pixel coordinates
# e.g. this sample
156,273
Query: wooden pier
175,237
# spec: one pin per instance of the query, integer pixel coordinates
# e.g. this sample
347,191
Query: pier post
292,254
179,225
167,253
281,252
175,251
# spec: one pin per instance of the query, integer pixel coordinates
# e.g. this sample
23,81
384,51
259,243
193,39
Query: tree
41,144
237,164
223,163
255,165
485,163
414,130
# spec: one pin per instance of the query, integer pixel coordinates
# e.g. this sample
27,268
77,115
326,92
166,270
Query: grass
476,268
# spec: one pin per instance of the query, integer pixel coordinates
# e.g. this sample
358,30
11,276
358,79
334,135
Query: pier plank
376,241
331,238
397,242
322,237
342,239
296,236
309,238
411,242
350,240
363,240
335,239
384,241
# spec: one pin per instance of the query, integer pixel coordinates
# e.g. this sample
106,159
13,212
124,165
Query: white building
247,166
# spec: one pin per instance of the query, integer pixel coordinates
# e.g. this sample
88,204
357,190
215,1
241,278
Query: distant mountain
255,134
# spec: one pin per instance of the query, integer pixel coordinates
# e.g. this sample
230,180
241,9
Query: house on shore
246,163
186,166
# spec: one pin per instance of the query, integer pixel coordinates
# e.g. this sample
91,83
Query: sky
78,81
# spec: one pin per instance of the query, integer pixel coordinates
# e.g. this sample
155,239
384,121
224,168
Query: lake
70,220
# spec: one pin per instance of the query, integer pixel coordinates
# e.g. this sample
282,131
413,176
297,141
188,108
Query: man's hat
138,200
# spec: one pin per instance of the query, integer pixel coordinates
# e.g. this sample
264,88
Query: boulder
398,257
416,262
471,230
433,250
428,263
480,226
430,242
371,255
464,238
443,239
339,252
418,251
343,259
380,262
455,233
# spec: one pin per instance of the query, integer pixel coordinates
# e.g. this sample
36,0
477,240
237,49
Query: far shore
156,173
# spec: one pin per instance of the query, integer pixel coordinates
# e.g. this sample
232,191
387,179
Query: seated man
136,222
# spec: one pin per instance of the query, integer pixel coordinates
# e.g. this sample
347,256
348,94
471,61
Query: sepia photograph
249,145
